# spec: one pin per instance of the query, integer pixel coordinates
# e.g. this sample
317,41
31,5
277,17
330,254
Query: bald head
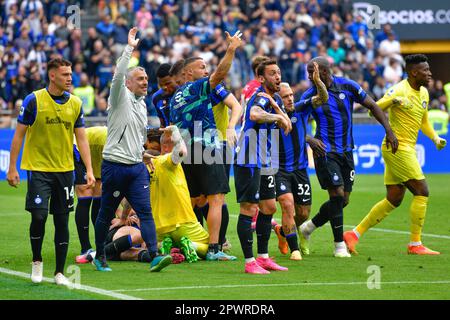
321,61
324,69
166,143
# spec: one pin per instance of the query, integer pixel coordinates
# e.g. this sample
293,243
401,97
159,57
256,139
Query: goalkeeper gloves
440,142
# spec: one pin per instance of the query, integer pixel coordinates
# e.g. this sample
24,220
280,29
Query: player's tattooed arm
258,115
277,108
126,209
322,92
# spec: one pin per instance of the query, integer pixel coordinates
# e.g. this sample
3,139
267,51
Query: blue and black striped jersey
253,147
292,152
334,118
161,102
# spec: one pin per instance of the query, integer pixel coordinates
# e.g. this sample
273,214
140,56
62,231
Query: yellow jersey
407,118
49,140
96,137
221,118
169,195
220,110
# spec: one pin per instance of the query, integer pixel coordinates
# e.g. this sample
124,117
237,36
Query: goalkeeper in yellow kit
407,104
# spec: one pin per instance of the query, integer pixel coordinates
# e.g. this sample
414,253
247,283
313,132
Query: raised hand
132,41
235,41
316,74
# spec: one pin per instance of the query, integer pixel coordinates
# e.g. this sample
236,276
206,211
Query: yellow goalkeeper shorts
401,167
194,231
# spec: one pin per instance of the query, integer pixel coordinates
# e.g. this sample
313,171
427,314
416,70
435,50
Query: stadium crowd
293,32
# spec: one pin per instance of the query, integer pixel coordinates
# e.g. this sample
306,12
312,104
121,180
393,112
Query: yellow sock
376,214
417,213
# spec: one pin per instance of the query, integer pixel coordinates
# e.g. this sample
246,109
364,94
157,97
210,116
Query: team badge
257,196
38,200
116,194
341,96
283,187
424,104
294,119
335,177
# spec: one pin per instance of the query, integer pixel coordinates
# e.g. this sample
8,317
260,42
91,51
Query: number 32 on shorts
304,189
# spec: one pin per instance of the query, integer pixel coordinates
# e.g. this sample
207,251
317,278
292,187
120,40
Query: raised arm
322,92
118,81
224,66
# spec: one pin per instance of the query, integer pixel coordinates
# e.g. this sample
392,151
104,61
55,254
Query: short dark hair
58,62
163,70
262,66
414,59
177,67
257,61
154,135
188,61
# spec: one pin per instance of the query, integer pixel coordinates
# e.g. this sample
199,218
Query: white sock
340,245
250,260
357,233
263,255
415,243
308,227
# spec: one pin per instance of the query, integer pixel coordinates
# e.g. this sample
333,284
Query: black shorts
295,182
54,186
334,170
80,169
251,186
109,239
207,177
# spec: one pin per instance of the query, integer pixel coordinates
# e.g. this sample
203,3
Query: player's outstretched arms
391,139
224,66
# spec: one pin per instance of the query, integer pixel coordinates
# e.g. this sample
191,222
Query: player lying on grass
407,103
175,224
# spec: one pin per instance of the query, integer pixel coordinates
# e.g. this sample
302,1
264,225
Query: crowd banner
410,19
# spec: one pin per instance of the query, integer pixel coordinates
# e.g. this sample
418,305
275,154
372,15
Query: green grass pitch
317,276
